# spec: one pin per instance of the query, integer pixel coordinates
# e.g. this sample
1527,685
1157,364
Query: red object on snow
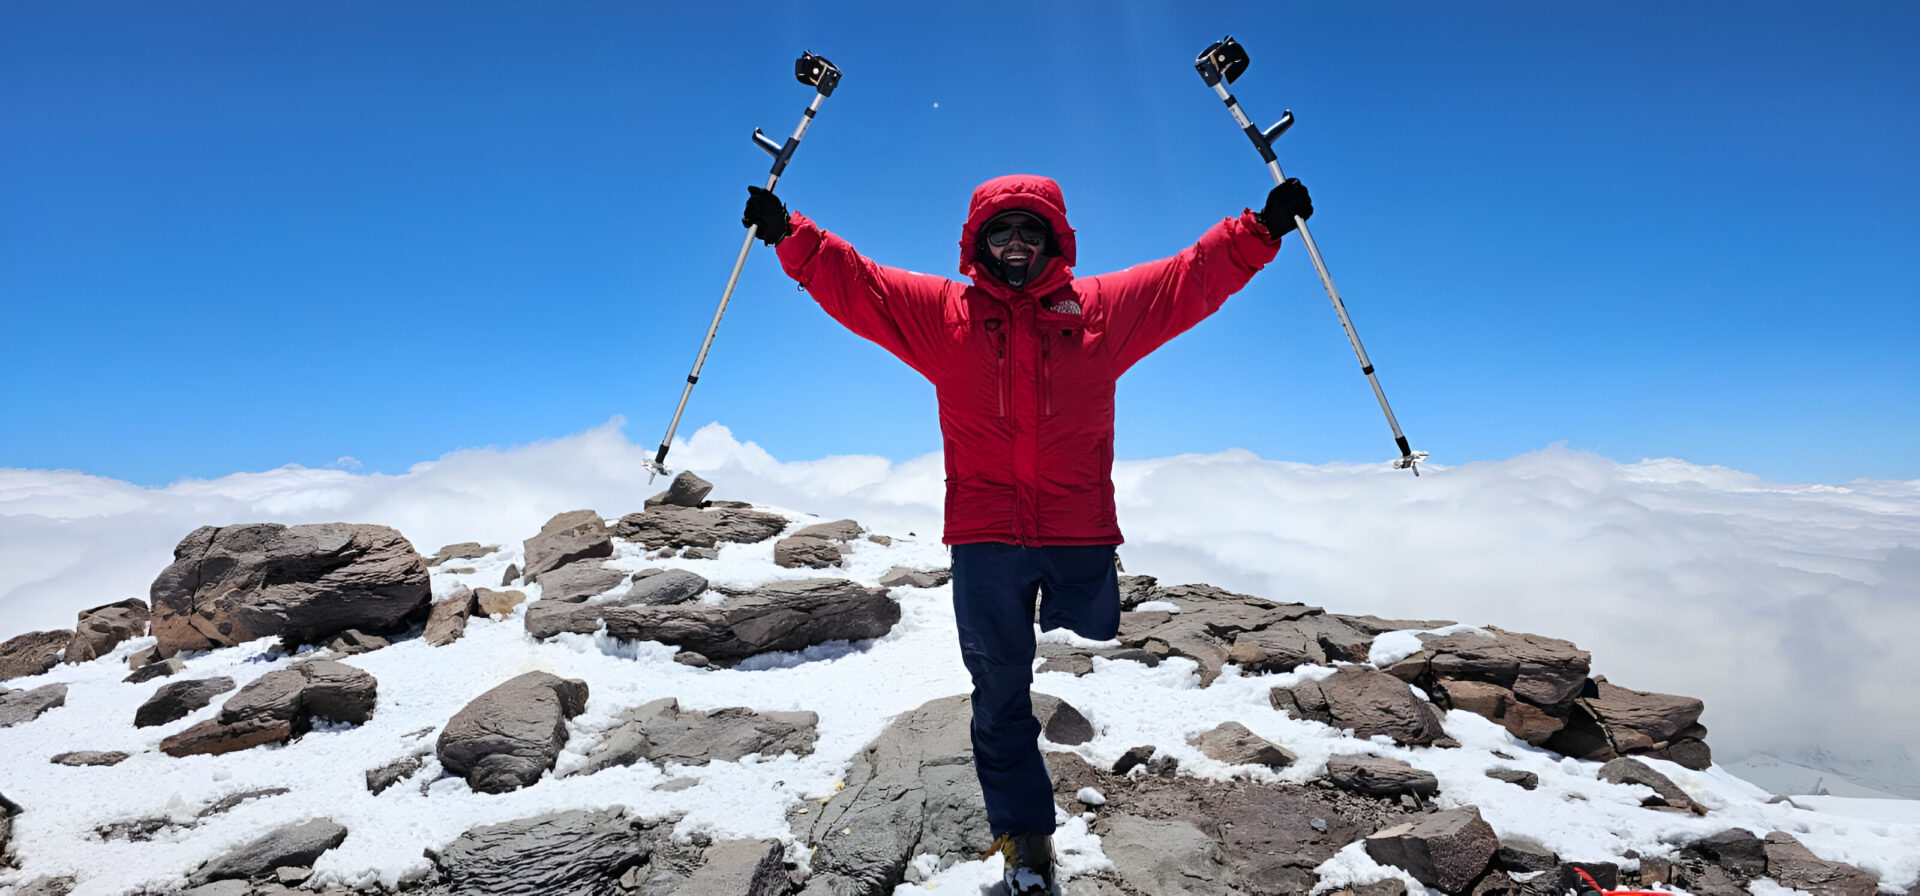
1596,886
1026,380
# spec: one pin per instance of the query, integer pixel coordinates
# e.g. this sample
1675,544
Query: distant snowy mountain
1892,775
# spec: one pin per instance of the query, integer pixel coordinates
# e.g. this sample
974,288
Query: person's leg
994,587
1080,591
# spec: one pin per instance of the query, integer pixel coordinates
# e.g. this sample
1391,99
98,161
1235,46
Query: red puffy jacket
1025,377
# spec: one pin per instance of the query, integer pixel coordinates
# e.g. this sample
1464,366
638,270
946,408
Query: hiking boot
1029,863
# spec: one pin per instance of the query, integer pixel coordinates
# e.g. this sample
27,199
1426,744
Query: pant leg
1080,590
994,589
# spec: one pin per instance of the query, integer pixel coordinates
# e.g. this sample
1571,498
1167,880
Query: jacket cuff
803,240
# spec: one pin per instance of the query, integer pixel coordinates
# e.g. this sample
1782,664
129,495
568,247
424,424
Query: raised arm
901,311
1143,306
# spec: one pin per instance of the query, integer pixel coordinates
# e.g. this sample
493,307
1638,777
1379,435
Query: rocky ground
333,711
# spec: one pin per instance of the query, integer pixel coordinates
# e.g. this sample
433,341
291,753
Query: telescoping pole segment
823,76
1219,65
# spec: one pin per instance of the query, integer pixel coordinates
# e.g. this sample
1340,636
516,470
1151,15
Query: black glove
764,209
1284,203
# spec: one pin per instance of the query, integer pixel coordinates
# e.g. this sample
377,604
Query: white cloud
1789,608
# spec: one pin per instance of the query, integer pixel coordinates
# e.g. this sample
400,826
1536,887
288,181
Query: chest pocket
1064,362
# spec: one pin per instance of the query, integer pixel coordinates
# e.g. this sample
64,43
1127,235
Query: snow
1696,530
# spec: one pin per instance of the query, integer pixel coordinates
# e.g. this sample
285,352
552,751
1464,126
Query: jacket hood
1030,193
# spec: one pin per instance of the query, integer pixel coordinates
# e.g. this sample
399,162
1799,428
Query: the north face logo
1066,306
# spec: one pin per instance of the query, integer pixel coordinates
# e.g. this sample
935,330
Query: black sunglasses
1033,233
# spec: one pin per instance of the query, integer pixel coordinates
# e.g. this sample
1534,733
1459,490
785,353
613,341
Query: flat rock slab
566,538
666,526
1793,865
447,621
1167,856
662,732
838,530
740,868
1210,621
1365,701
279,706
779,616
1233,744
101,629
556,854
509,736
466,550
662,587
176,700
21,706
1445,850
1380,776
806,552
1607,721
295,845
1666,793
32,653
901,576
90,757
232,584
576,582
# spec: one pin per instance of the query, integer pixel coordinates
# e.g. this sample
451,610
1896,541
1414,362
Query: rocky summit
709,698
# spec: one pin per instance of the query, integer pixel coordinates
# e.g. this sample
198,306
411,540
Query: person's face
1015,239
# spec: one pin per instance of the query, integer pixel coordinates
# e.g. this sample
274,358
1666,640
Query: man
1024,362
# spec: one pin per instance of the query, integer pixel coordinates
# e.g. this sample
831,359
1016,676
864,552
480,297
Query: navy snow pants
995,587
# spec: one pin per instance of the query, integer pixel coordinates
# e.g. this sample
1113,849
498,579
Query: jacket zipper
1000,366
1046,374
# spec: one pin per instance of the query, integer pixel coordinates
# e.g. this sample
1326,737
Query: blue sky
236,236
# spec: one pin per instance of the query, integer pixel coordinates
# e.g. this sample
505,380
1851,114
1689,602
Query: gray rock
1060,723
466,550
1793,865
447,620
662,732
233,584
680,527
1608,721
1735,850
1233,744
1136,590
8,809
1522,779
576,582
663,588
779,616
354,641
911,791
379,779
297,844
1445,850
838,530
224,888
511,576
901,576
1280,648
44,886
687,490
699,553
32,653
557,854
806,551
1380,776
279,706
1543,674
101,629
1666,793
165,668
1524,856
176,700
509,736
1209,621
885,541
90,757
1166,858
567,538
1366,701
739,868
1135,756
17,707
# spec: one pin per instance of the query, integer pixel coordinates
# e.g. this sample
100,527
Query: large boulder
32,653
1608,721
279,706
509,736
1446,850
306,584
661,587
662,732
21,706
175,700
447,620
292,846
1525,682
576,582
557,854
667,526
101,629
1366,701
780,616
567,538
910,792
